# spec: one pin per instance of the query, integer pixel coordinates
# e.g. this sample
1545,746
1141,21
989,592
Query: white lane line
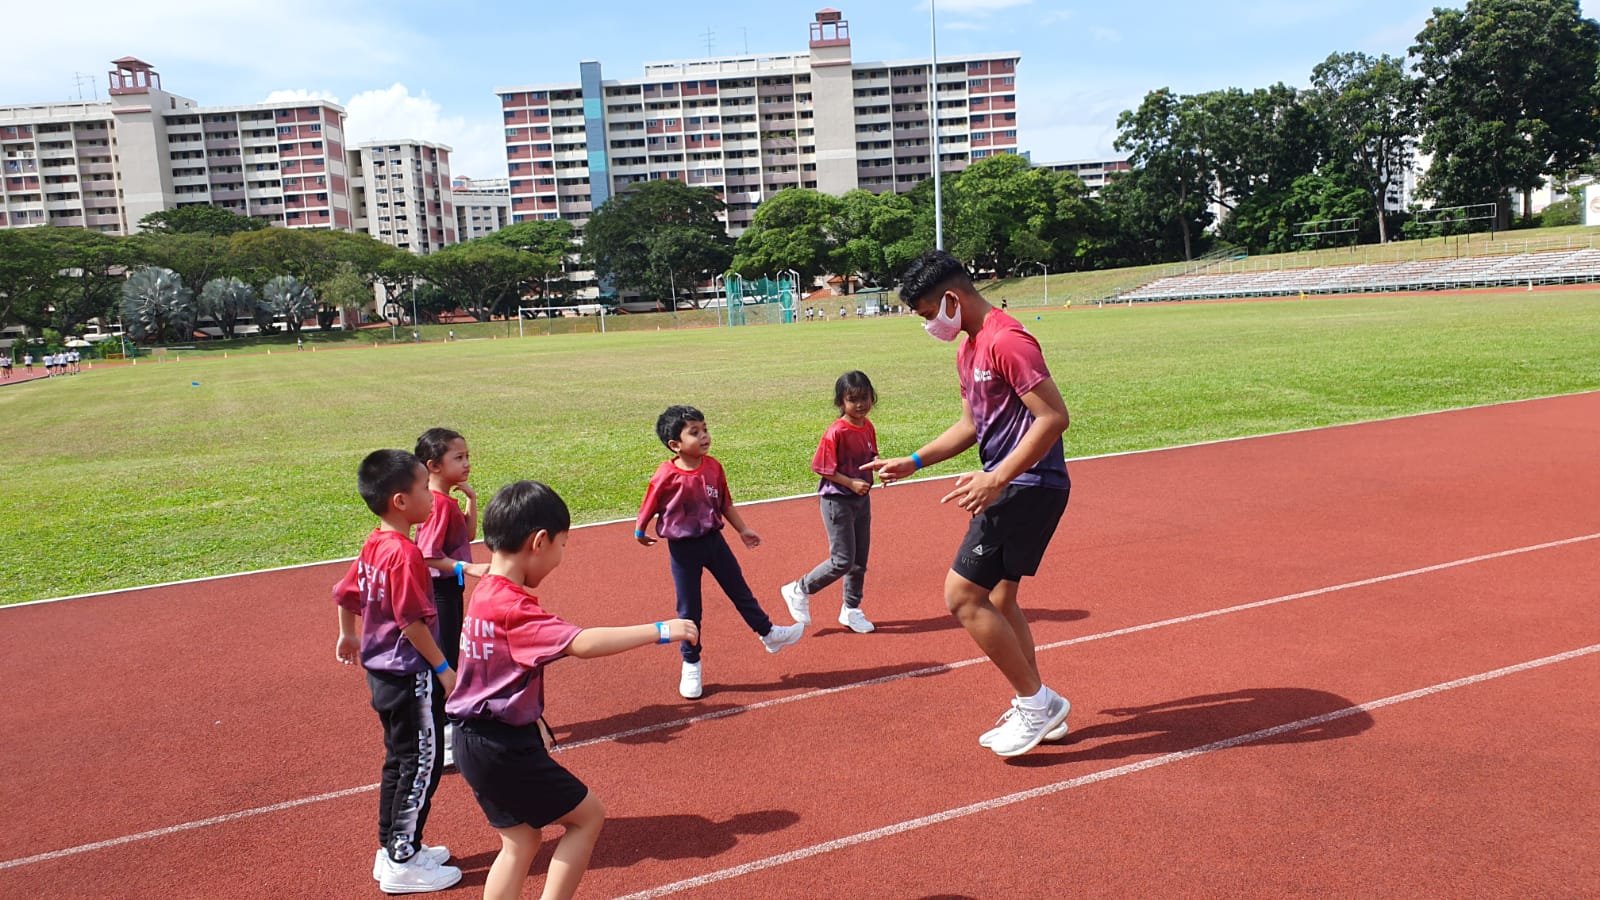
823,692
1094,777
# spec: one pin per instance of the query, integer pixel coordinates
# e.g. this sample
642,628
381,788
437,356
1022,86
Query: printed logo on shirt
712,494
980,375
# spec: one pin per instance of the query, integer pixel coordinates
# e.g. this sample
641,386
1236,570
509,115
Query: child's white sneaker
689,686
799,603
421,874
437,854
782,636
854,619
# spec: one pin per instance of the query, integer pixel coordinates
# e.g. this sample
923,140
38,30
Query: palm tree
155,303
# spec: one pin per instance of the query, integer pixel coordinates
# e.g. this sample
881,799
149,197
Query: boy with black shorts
397,642
1011,409
507,639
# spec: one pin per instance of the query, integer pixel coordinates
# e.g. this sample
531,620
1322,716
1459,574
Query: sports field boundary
941,668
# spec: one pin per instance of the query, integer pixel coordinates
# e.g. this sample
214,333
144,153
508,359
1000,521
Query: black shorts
512,775
1007,540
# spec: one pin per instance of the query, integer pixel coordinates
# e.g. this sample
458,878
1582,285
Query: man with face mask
1010,408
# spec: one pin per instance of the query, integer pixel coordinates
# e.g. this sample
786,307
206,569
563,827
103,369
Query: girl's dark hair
519,511
669,425
384,473
853,382
434,444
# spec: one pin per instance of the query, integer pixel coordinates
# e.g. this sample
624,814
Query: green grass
133,475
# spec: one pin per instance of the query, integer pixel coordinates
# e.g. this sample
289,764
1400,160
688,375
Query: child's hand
466,491
643,538
683,630
448,680
348,649
750,538
860,487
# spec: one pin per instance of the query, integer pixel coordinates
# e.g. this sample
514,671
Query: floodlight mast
933,127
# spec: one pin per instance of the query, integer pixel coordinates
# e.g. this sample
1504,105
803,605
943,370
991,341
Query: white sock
1039,700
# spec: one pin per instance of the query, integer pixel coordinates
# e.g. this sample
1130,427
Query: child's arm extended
593,642
446,564
422,639
647,511
746,533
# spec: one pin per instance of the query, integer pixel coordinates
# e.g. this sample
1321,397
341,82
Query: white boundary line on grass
807,496
823,692
984,806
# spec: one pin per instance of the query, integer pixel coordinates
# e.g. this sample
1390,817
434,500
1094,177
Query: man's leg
993,632
1004,599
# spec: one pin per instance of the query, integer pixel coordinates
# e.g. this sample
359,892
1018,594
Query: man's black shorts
1007,540
512,775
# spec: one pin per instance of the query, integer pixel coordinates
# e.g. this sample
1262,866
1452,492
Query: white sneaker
1027,727
437,854
799,603
418,875
782,636
449,750
1058,733
855,620
689,687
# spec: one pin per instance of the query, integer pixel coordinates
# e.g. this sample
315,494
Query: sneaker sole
419,888
1058,733
377,871
1054,724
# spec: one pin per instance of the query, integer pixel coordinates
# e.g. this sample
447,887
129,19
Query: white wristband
663,635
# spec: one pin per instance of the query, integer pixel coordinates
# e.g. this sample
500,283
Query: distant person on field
387,621
1011,409
445,539
689,498
5,366
849,444
27,363
500,746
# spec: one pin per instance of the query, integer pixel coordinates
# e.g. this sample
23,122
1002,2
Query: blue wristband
443,664
663,636
639,533
916,460
461,568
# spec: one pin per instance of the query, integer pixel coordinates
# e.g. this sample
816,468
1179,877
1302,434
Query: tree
197,257
227,300
482,278
792,230
59,278
156,306
876,235
291,298
1509,95
658,237
200,219
1269,221
1368,107
548,242
345,291
1004,213
1176,172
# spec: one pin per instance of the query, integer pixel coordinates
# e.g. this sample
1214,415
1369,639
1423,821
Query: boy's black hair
384,473
853,382
435,443
519,511
670,424
935,270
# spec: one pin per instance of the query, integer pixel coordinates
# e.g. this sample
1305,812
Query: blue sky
405,68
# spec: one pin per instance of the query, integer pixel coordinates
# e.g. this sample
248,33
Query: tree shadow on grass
628,840
1192,722
658,723
946,622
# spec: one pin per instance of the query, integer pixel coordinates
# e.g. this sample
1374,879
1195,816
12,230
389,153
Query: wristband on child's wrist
443,664
638,532
461,569
663,635
916,461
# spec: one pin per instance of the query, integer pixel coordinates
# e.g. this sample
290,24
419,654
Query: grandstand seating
1550,267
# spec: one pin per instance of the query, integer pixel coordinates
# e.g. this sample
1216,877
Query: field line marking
813,694
1095,777
1076,459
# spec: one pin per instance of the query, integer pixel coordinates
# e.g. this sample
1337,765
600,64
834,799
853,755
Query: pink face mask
942,327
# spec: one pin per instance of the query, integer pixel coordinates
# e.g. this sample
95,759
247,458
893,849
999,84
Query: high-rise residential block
402,194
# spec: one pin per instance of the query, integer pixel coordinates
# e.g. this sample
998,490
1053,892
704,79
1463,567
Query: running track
1352,661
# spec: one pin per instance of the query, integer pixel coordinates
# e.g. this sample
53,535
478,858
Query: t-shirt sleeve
431,534
721,477
826,460
652,502
347,593
1019,359
536,636
410,587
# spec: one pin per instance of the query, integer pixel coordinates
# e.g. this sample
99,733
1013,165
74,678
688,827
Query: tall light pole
1046,281
416,325
933,127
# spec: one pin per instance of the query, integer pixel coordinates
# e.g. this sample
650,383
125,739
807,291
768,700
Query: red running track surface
1419,612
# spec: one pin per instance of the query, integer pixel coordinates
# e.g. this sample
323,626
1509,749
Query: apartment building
401,190
483,205
106,164
1094,173
750,126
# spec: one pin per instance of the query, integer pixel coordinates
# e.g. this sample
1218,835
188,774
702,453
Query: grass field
134,475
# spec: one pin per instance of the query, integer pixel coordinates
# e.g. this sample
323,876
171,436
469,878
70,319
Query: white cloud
979,7
290,96
477,145
1055,17
1105,35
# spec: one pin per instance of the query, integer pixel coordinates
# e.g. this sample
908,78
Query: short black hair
384,473
935,270
435,443
669,425
853,382
519,511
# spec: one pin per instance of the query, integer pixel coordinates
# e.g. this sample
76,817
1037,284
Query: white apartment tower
402,194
